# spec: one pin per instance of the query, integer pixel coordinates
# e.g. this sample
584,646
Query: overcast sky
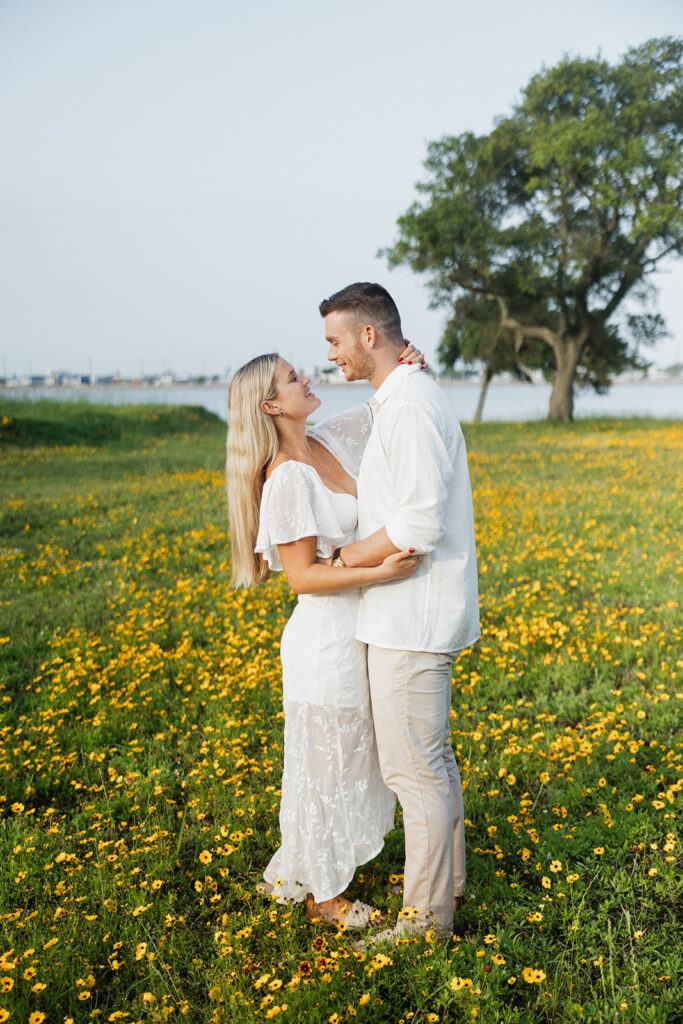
182,181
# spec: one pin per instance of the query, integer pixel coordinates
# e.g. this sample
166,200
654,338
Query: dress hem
322,899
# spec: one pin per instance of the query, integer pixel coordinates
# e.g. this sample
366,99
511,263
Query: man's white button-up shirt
414,481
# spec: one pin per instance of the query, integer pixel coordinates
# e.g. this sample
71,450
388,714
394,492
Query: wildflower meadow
141,740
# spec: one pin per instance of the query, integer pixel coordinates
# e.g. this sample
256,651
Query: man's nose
330,355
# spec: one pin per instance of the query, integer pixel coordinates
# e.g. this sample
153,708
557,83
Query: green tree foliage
555,217
475,333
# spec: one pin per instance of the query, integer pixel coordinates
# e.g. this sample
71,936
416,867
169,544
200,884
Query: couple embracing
369,514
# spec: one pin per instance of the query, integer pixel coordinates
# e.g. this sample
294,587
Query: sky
182,181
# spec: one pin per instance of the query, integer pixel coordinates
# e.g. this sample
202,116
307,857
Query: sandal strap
358,915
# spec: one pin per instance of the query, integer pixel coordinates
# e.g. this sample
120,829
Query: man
413,492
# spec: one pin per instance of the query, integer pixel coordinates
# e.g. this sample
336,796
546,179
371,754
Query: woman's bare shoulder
278,460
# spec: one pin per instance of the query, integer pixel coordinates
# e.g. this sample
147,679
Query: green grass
51,423
141,739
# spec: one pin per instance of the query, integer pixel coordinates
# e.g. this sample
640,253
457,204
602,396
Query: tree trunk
567,354
485,381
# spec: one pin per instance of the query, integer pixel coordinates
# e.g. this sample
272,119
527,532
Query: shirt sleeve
346,435
295,504
421,468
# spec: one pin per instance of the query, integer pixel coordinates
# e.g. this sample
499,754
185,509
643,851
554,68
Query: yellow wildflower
457,984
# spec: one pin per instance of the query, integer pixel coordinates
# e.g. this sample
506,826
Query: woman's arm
306,576
370,551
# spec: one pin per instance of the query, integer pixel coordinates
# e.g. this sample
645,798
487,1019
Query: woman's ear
270,409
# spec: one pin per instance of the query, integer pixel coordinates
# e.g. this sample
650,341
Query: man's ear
369,336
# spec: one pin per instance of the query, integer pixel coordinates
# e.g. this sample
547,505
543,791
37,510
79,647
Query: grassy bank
46,422
141,741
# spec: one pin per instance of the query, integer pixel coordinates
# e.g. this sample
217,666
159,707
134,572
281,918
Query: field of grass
141,740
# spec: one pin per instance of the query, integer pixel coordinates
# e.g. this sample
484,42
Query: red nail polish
412,550
410,362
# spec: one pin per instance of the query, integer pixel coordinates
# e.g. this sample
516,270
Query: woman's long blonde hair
252,443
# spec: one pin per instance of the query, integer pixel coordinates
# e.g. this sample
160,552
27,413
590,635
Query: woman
292,502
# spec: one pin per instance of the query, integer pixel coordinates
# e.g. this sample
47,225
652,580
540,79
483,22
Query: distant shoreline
445,382
505,400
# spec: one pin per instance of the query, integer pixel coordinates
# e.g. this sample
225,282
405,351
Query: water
504,401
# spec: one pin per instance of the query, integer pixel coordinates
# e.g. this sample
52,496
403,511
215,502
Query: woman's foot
329,911
340,911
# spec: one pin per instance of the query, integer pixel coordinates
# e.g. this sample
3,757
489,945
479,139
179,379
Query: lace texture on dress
335,808
345,435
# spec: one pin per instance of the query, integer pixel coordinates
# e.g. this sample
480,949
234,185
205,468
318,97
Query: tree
560,213
475,333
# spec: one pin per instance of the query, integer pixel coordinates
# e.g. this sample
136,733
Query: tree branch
523,331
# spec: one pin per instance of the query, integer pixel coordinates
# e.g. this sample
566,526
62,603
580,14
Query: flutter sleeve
346,435
295,504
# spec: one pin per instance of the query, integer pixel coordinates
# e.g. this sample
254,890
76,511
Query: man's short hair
369,303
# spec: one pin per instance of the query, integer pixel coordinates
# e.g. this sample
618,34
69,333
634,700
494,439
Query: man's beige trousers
411,704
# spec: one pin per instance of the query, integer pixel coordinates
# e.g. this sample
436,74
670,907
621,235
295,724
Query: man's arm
421,470
306,575
371,551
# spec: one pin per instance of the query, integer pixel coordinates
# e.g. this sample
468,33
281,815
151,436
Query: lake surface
504,401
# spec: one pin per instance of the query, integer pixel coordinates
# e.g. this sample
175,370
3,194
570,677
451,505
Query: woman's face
292,394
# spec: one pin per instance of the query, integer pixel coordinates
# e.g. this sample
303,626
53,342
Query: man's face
346,348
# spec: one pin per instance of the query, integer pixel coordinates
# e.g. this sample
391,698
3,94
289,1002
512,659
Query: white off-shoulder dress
335,809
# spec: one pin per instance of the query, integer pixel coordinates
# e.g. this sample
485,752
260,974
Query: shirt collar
390,384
